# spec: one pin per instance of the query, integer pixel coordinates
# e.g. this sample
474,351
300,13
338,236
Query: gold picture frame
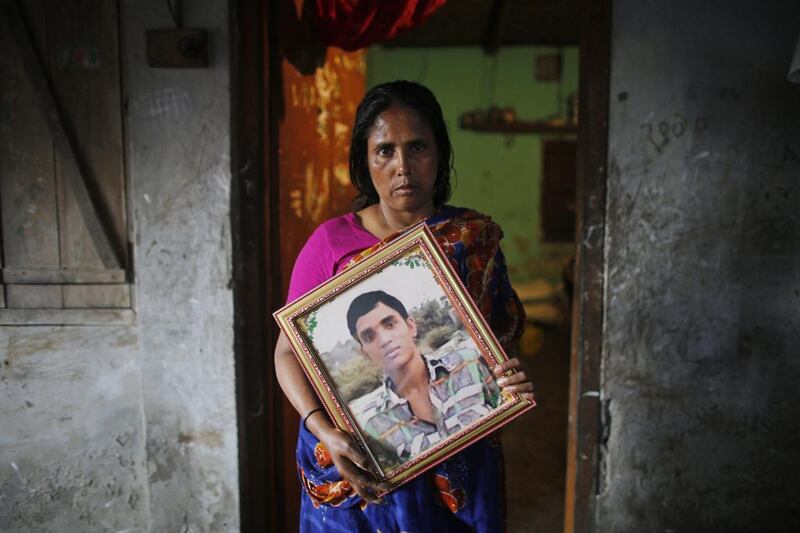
449,333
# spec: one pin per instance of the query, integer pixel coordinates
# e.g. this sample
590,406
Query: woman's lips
406,190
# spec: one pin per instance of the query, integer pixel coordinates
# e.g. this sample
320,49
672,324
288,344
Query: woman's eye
385,150
418,147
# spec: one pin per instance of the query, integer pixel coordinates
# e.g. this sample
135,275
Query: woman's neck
382,221
398,220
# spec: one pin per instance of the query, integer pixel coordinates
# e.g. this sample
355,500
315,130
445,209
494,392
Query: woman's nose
403,163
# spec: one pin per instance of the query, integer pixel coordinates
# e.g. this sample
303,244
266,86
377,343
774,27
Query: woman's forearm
346,456
296,387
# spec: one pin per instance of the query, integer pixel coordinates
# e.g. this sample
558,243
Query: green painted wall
497,174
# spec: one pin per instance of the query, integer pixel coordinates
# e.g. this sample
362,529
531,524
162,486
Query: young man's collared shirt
462,390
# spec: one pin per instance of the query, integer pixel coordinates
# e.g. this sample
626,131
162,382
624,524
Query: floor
535,445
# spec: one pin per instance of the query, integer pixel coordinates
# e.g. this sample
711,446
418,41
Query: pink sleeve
312,266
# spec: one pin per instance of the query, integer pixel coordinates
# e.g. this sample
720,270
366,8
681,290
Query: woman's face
403,159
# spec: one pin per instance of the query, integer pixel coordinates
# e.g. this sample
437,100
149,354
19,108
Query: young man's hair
364,303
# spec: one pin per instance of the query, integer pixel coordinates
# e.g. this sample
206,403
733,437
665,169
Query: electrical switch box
177,48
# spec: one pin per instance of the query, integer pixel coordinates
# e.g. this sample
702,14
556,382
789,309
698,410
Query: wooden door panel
314,145
83,62
314,182
27,189
62,183
33,296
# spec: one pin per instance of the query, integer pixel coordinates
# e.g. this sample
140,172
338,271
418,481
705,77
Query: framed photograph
400,357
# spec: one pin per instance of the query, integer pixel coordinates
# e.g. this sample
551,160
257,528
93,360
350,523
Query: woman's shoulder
336,225
469,217
339,238
453,211
334,229
319,256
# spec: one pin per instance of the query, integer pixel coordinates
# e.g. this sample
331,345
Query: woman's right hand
347,458
344,452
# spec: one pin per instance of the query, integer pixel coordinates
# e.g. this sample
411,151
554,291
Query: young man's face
386,338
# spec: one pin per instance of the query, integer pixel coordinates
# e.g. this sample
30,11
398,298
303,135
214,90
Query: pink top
327,251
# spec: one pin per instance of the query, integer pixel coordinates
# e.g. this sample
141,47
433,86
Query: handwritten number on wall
658,144
679,125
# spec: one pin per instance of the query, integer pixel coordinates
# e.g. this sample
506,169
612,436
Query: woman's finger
521,387
517,382
358,459
352,465
505,366
528,396
340,443
517,377
355,455
364,486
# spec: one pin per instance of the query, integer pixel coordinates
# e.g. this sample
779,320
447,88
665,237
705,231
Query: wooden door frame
585,430
256,264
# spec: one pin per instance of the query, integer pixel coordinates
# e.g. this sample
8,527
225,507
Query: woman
400,161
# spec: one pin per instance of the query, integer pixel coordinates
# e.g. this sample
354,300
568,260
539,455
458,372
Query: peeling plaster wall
133,428
701,349
179,139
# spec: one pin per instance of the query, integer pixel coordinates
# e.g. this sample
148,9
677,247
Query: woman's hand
347,458
345,454
519,381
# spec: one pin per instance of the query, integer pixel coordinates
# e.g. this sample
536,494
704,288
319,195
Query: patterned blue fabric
476,472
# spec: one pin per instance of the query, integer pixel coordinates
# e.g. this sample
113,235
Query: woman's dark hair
377,100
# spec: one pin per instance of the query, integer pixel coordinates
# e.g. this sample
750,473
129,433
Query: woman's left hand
519,381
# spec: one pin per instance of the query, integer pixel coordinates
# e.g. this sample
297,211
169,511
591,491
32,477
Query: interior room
163,162
501,170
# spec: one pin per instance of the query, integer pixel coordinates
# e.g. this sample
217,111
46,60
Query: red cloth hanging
354,24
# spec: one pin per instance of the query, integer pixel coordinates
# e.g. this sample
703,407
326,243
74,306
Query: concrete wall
497,174
72,453
133,427
703,269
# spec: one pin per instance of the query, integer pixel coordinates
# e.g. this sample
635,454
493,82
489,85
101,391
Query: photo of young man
423,398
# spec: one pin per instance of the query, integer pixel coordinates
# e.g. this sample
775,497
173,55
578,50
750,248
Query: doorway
514,135
267,470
